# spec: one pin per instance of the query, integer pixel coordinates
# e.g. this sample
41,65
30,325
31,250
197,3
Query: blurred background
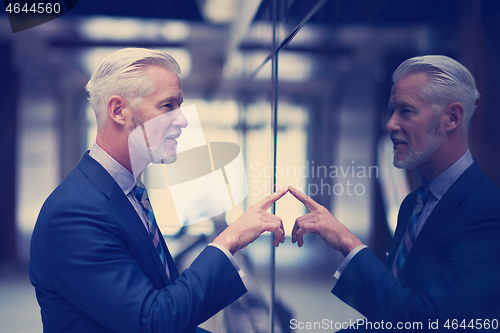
317,73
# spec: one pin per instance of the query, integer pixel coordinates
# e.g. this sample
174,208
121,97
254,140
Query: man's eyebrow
394,103
170,98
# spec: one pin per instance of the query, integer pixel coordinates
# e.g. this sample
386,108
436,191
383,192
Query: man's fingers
296,238
279,237
307,201
307,225
282,233
272,223
277,230
298,223
270,199
269,217
305,217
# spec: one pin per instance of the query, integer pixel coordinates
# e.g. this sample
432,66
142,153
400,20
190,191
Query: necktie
142,196
411,231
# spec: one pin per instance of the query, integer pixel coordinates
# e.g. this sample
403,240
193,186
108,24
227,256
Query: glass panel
256,92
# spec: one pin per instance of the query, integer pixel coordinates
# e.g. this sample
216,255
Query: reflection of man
444,260
98,261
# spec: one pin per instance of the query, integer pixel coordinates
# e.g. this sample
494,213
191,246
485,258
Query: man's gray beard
159,155
156,154
415,158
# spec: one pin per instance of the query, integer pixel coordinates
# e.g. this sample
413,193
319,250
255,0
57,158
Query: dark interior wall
8,93
479,51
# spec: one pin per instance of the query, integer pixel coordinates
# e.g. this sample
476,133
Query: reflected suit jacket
95,269
452,271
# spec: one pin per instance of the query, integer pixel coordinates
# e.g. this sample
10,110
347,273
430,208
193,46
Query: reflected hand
320,221
249,226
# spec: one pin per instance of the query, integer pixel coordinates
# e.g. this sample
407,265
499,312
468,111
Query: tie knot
423,195
139,191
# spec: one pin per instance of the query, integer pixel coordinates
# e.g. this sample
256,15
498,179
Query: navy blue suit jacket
452,271
95,269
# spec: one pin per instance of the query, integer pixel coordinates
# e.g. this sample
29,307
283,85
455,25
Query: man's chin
399,164
409,162
399,161
403,161
166,159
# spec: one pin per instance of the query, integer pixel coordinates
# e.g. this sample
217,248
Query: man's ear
454,116
116,108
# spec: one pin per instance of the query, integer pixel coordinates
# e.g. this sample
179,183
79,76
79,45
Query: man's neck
116,149
440,161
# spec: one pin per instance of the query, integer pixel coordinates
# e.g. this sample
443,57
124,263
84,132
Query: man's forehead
172,95
396,102
168,84
395,99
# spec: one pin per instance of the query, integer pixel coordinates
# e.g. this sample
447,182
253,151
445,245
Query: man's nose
392,125
180,120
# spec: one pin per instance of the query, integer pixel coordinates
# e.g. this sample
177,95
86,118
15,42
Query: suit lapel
442,217
174,273
405,212
126,211
123,209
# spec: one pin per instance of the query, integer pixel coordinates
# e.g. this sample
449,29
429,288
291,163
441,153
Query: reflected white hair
123,73
448,82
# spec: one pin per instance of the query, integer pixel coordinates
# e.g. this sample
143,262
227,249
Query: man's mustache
172,135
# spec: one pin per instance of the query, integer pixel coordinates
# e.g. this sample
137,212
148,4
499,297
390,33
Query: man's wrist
347,260
229,256
350,245
222,241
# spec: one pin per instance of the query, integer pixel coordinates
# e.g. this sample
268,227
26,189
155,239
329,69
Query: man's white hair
448,82
123,73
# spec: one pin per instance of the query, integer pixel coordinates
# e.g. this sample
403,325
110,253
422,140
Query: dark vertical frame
8,134
278,44
274,124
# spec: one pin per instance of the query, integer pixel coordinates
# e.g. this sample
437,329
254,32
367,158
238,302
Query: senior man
98,260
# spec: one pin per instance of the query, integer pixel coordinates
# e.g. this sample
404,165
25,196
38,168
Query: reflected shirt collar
121,175
439,185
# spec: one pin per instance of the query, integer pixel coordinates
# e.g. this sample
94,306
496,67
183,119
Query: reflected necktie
411,231
142,196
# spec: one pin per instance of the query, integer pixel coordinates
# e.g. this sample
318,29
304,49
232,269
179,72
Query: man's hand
320,221
252,223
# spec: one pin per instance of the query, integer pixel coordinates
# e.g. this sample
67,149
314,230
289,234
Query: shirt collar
122,176
439,185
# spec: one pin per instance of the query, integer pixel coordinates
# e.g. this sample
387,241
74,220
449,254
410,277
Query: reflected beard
415,158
